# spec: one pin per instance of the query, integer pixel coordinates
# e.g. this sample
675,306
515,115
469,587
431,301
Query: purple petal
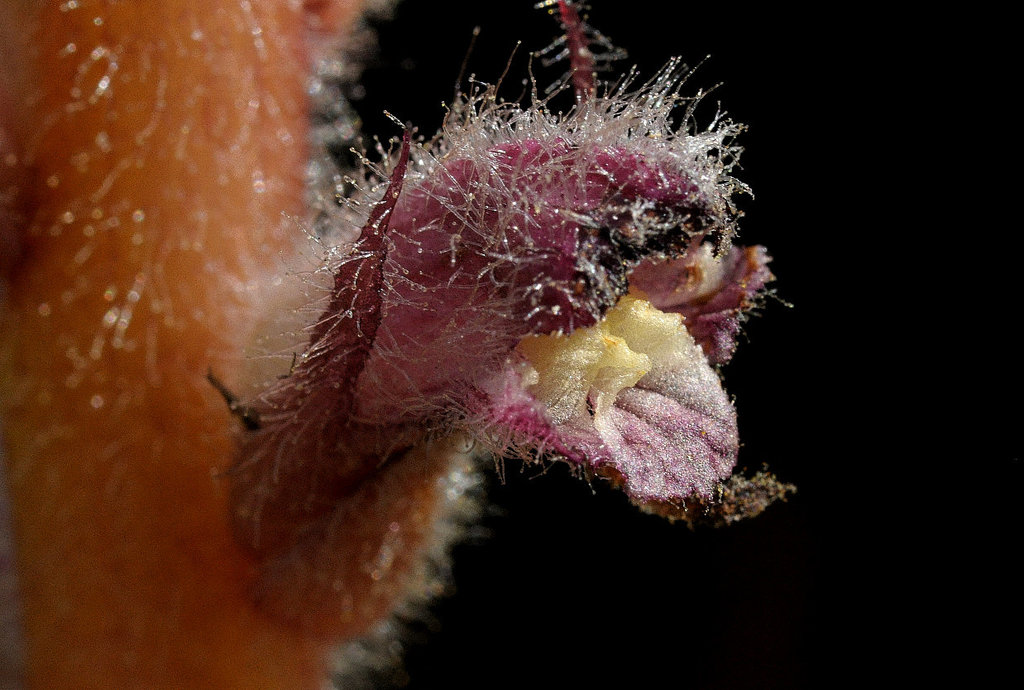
712,293
672,450
632,399
664,441
511,418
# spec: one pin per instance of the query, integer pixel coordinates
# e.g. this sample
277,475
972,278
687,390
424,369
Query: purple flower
529,284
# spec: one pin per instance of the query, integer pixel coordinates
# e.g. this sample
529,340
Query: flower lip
636,399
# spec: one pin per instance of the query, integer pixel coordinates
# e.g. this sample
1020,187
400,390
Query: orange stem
155,151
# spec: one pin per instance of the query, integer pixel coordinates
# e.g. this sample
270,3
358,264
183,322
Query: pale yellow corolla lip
595,363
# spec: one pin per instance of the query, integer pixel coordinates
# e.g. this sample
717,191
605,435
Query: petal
711,292
670,437
664,444
510,419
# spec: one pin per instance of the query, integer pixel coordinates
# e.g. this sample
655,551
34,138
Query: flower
530,284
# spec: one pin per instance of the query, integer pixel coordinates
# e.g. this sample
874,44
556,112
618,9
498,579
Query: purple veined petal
711,292
662,451
678,414
634,400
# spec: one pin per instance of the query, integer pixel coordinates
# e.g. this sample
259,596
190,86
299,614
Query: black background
574,587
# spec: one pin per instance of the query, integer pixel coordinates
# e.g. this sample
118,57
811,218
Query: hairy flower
531,284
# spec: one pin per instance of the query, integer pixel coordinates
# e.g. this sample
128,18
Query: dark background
572,586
